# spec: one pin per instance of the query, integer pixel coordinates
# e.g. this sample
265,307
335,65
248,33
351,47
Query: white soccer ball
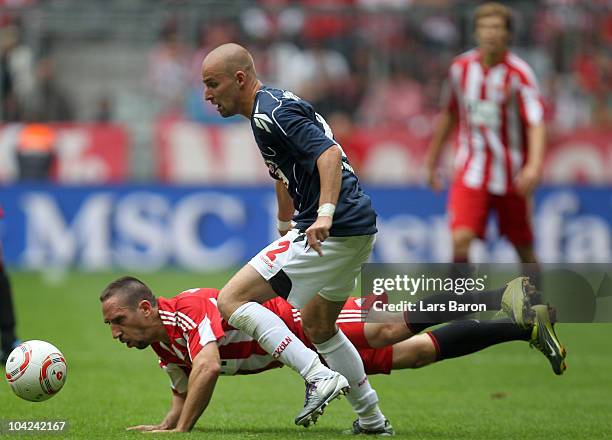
36,370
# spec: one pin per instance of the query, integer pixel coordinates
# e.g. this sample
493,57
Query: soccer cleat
517,299
318,395
386,430
545,339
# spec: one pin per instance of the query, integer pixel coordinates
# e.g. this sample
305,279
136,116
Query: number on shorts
282,247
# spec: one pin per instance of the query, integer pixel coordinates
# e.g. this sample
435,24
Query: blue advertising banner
148,227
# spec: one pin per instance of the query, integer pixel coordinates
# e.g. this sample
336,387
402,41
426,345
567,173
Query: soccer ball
36,370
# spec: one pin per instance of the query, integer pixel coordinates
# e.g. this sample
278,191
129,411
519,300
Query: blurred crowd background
99,92
376,64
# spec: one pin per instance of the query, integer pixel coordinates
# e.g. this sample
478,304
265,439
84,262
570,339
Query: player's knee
424,351
226,305
526,253
387,334
223,308
462,240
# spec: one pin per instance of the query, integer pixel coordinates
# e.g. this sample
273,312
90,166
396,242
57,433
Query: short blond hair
491,9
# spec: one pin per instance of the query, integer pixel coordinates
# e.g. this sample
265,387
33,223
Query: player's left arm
329,165
532,115
315,149
205,370
529,176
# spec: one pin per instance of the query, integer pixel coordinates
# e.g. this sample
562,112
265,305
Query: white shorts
296,272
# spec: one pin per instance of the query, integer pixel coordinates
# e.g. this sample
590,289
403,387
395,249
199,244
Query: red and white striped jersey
495,106
192,320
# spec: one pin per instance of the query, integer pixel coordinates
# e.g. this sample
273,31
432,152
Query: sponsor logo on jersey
289,95
261,120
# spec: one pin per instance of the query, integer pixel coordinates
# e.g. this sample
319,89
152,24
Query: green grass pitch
505,392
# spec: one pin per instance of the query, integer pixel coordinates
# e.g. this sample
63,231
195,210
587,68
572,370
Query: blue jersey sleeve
305,140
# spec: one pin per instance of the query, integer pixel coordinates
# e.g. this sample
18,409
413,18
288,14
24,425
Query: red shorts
469,208
375,360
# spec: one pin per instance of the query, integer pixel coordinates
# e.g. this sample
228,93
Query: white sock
342,356
273,335
372,419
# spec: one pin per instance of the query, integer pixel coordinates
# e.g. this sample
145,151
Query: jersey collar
503,60
256,101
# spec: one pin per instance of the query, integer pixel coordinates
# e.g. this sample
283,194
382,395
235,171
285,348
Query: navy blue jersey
291,136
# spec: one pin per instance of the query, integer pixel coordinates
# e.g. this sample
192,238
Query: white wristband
326,210
284,225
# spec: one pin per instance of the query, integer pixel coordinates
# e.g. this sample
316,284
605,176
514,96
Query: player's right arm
442,130
285,208
445,126
309,139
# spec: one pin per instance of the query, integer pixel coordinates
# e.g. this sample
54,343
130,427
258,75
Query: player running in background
493,97
8,338
314,265
190,337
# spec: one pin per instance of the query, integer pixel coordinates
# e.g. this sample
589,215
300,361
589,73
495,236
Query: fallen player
190,337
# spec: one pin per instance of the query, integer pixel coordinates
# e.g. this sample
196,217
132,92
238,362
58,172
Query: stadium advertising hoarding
217,227
188,152
193,153
86,153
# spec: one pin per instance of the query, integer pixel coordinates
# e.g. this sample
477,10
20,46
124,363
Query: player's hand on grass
318,232
527,180
145,428
163,431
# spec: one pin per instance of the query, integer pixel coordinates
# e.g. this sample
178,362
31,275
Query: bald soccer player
314,264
